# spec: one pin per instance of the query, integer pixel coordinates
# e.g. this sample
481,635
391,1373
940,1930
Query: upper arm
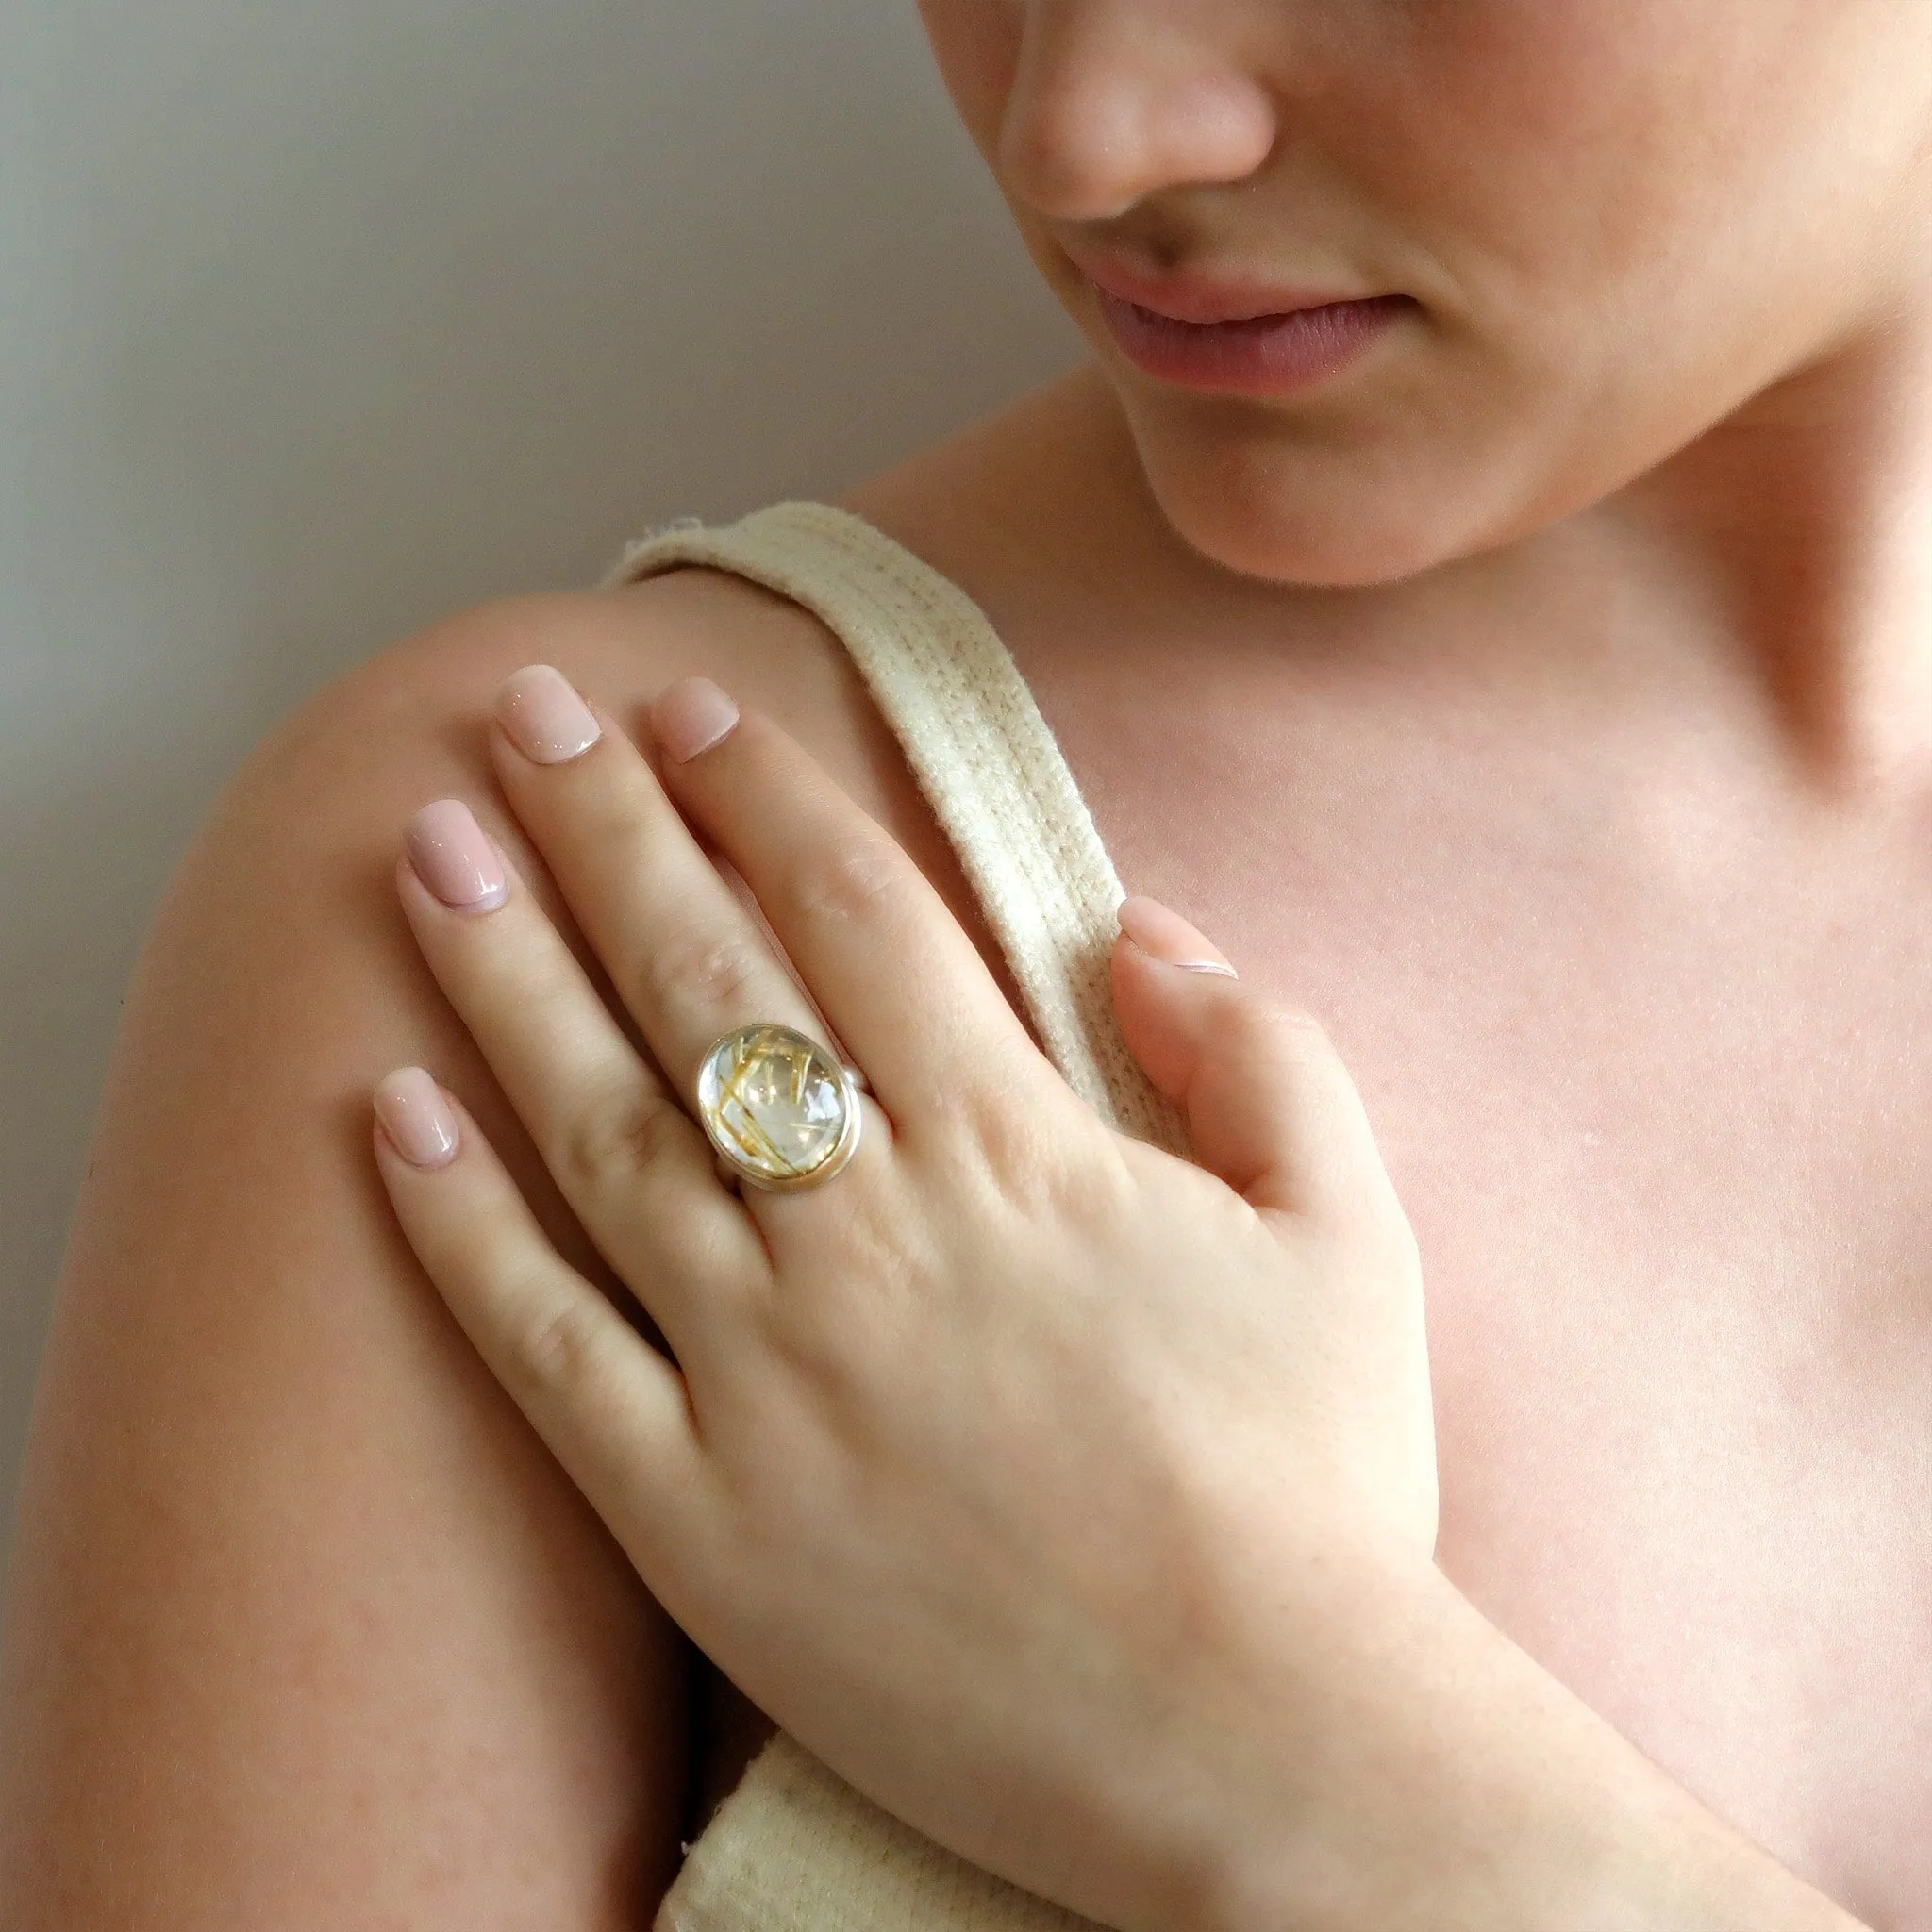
306,1628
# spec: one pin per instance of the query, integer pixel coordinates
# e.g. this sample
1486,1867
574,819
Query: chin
1316,548
1317,514
1358,493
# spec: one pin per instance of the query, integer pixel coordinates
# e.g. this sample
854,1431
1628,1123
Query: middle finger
688,959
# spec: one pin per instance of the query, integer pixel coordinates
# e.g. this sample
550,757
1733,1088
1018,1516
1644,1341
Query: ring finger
689,958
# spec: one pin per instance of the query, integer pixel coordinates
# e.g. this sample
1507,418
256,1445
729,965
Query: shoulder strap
983,756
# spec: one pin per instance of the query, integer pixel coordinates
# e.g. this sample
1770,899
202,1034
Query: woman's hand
1003,1466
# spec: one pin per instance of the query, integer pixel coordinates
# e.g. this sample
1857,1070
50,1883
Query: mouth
1238,336
1278,352
1206,299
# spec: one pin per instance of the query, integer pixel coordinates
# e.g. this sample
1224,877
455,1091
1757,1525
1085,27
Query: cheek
1494,186
1603,216
1599,202
975,46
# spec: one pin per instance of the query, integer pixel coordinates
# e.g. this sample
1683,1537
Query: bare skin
1647,1060
1602,856
1680,1473
1635,1004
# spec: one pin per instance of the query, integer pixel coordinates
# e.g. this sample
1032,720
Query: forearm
1456,1785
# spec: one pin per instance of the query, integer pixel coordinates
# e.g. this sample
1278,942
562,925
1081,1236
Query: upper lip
1205,298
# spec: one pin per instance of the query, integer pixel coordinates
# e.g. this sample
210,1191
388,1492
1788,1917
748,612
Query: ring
782,1112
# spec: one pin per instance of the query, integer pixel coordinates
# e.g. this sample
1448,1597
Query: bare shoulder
278,1524
423,706
409,725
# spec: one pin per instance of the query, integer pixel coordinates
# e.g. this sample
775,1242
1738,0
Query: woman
1522,666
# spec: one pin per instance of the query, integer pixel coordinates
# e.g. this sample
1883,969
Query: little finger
614,1413
635,1168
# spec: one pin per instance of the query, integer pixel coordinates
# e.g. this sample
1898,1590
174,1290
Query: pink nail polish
1164,935
544,717
691,716
454,860
417,1118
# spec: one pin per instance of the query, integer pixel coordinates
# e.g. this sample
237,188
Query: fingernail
417,1118
690,717
1162,933
454,860
544,717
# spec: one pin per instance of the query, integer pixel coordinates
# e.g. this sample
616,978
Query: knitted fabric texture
794,1848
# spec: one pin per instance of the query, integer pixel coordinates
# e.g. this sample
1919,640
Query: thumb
1271,1109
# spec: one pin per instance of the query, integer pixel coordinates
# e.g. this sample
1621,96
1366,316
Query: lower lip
1269,356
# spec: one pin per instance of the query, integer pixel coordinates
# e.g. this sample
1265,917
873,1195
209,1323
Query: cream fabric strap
794,1848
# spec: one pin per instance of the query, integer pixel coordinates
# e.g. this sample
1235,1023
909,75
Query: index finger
894,974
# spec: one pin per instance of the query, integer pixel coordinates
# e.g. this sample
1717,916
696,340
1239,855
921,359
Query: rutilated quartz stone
776,1106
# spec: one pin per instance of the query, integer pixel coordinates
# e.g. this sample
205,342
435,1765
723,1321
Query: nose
1114,100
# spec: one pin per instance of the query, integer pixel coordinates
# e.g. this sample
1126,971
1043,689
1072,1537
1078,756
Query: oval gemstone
775,1103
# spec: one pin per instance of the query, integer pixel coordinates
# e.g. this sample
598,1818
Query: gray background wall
319,318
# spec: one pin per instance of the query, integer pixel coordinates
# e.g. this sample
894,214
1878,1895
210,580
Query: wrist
1433,1775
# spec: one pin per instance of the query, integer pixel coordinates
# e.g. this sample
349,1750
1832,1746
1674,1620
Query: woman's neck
1800,533
1777,571
1766,593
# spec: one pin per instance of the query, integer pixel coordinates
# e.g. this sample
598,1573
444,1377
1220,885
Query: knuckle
968,1120
1266,1031
557,1345
662,1135
1012,1144
620,1137
1031,1148
704,967
821,1351
841,1352
1299,1028
852,885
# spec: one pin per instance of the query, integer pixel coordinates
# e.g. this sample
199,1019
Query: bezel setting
745,1119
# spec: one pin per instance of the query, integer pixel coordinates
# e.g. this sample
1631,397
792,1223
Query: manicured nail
690,717
1162,933
454,860
544,717
417,1118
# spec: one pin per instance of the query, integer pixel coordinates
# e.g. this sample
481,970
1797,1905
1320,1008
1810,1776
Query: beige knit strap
795,1849
984,757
